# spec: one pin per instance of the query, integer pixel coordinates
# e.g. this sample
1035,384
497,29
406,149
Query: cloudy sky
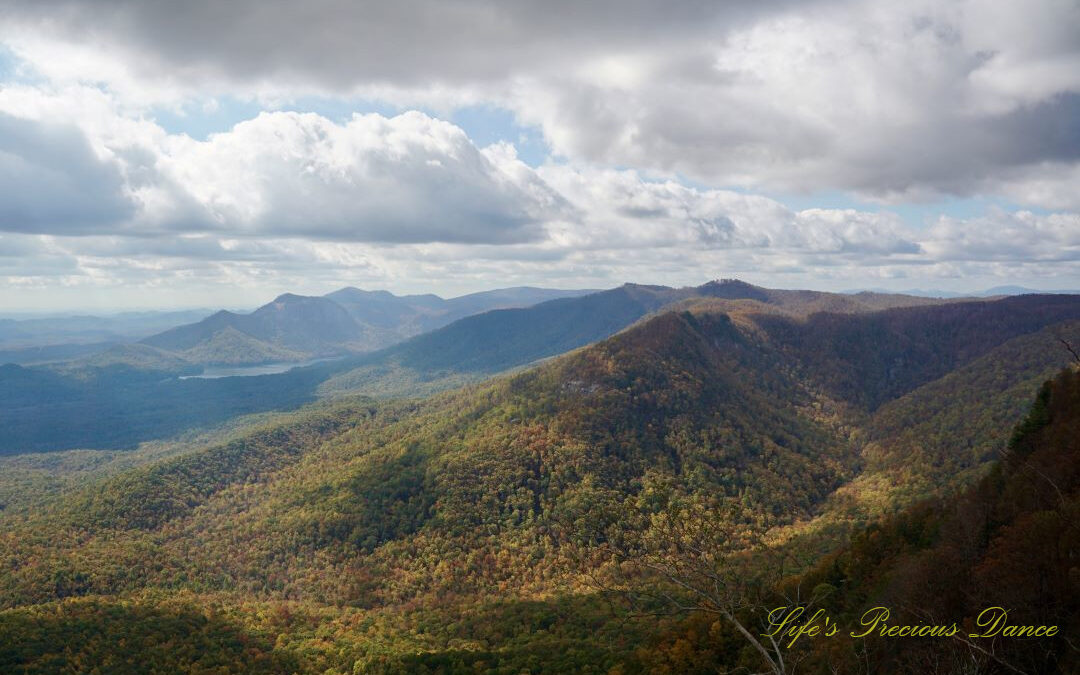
155,153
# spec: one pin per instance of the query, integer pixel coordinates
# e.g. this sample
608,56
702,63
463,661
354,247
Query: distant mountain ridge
69,333
986,293
346,321
314,325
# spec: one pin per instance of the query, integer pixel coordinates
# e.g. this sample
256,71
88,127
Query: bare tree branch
1069,347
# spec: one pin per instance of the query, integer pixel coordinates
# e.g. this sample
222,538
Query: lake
215,372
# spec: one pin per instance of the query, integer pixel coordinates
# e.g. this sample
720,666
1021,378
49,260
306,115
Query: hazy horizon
105,310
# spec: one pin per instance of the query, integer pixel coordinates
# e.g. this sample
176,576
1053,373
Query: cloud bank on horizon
826,144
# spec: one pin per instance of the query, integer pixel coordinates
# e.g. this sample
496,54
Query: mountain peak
733,289
354,292
653,287
290,297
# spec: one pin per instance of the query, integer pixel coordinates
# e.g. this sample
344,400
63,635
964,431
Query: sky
164,154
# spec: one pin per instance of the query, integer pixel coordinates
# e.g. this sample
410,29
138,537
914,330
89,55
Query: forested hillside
1001,546
1009,541
510,525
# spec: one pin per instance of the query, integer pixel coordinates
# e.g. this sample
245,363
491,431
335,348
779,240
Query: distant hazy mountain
51,353
313,325
390,318
1021,290
988,293
349,320
37,332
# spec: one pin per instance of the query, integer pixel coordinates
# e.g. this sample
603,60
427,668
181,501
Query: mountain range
296,327
575,506
996,291
35,339
137,392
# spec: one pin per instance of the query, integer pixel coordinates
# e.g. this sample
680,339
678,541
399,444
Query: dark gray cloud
29,256
959,155
51,180
892,100
341,43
